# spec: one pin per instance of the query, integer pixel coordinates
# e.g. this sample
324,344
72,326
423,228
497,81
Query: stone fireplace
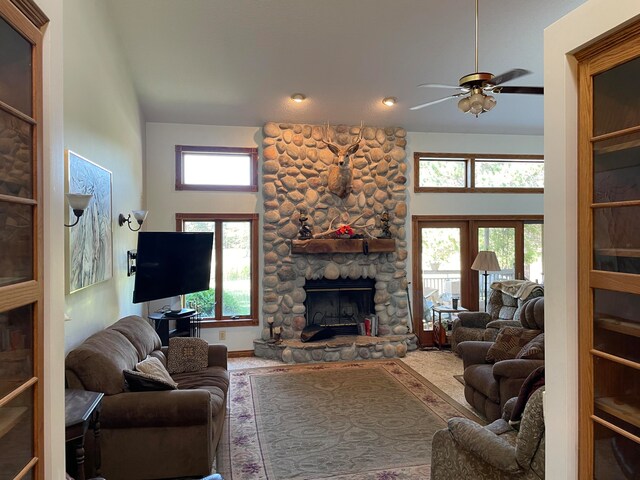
339,304
295,171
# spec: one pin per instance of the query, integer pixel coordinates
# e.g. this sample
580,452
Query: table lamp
487,261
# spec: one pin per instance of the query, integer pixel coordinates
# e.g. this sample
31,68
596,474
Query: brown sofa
152,434
487,386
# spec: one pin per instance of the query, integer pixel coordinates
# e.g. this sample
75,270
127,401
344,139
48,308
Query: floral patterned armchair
497,451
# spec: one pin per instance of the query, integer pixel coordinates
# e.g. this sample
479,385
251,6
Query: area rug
460,378
346,421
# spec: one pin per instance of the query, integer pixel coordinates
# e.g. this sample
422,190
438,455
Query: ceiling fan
476,88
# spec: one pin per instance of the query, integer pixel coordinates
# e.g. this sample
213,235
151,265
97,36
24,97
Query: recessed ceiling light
390,101
298,97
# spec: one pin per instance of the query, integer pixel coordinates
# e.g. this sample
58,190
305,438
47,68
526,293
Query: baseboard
240,353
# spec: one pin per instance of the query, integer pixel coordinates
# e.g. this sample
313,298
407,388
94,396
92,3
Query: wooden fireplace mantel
339,245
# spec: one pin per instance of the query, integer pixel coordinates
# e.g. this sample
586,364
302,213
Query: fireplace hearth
339,304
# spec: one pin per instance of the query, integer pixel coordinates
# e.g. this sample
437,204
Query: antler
328,231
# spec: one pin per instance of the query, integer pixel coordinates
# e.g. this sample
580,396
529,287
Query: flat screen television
171,263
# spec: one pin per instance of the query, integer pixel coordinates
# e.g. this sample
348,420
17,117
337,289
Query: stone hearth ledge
343,347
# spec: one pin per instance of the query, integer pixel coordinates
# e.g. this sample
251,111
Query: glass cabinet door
609,252
21,387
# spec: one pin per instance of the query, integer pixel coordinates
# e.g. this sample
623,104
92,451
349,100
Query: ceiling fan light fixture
489,102
464,104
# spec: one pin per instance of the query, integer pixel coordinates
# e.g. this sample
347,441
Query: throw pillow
187,354
533,350
143,382
509,342
154,367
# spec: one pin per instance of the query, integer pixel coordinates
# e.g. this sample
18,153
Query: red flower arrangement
345,230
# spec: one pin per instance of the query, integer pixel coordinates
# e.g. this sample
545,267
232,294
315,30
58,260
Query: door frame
469,288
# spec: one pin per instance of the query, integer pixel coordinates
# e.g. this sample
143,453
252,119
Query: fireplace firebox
339,304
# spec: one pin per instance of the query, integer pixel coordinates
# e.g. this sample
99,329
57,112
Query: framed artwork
89,252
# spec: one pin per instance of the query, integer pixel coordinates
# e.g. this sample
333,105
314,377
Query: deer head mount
341,172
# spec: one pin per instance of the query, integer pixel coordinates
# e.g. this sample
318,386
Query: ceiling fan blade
438,85
525,90
508,76
418,107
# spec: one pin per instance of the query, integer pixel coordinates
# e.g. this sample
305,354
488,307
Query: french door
444,249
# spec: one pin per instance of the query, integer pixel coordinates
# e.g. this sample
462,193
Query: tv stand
186,325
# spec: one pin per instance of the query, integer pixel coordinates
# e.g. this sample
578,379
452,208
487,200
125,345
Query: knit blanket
516,288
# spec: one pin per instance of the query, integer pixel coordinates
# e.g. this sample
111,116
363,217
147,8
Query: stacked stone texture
295,171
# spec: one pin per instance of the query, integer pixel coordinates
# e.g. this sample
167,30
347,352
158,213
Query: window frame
219,218
470,167
252,152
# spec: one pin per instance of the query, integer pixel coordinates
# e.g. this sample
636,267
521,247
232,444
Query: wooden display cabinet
609,257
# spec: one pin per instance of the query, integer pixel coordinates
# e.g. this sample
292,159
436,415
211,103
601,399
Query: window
216,168
447,172
232,298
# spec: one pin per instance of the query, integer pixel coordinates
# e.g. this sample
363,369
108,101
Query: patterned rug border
410,472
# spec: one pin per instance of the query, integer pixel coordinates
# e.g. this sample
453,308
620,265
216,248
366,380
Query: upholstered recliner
467,450
501,307
489,385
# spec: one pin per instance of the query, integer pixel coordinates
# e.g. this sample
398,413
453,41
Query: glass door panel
533,235
15,74
16,243
441,275
16,435
616,239
502,241
616,103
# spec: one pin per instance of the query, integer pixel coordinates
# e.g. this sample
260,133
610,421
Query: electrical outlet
222,335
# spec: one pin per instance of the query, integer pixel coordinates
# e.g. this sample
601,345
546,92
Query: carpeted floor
348,421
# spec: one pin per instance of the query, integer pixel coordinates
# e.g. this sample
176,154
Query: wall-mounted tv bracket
131,262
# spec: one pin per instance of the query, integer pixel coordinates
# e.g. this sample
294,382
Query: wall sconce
139,215
78,203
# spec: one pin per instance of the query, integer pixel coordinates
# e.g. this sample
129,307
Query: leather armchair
496,452
489,385
502,311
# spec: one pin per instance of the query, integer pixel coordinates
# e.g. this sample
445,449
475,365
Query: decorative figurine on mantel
384,225
305,232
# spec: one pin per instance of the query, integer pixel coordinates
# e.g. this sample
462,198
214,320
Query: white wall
573,32
102,122
164,201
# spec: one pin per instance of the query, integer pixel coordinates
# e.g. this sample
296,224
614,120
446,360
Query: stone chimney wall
295,173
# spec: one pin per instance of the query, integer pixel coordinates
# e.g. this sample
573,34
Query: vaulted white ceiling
236,62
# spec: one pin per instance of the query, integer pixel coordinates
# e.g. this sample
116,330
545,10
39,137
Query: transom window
482,173
216,168
232,298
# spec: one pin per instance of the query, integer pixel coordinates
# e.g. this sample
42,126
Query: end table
440,310
81,411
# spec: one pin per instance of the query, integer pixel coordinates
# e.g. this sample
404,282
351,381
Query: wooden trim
21,200
17,113
621,282
240,354
615,359
18,20
252,152
228,322
338,245
623,203
28,467
19,294
469,160
615,134
500,218
615,428
18,391
219,219
30,10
